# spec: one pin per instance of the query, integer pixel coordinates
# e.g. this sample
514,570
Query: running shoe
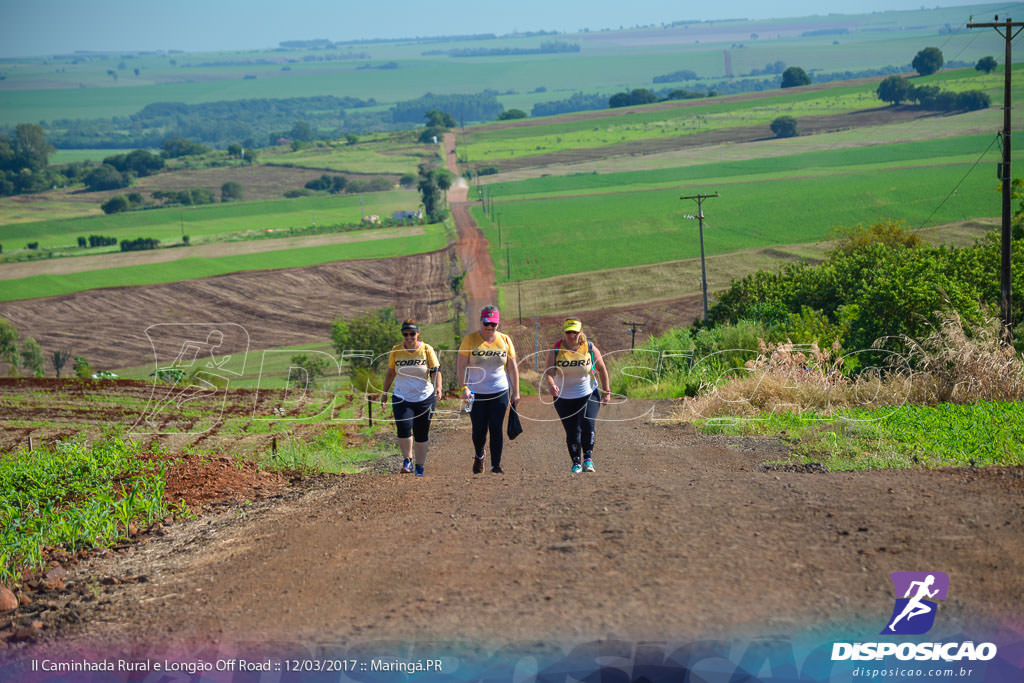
419,470
406,466
588,465
576,468
478,465
497,470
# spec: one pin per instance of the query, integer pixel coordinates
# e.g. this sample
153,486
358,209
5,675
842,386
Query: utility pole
519,298
700,221
1009,31
633,328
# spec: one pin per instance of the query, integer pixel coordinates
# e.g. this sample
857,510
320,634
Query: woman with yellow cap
570,374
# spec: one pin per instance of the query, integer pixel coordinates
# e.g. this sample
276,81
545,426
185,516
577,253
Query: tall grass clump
960,363
328,452
74,496
795,378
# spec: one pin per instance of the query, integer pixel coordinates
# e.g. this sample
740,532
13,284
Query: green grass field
957,150
210,221
69,156
483,144
559,235
388,153
945,435
192,268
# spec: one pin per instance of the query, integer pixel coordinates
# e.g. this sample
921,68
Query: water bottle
468,403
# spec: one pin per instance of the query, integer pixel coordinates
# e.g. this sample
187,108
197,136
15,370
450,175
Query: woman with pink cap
487,367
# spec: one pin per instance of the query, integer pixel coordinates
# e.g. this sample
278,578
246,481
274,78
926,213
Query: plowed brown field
277,308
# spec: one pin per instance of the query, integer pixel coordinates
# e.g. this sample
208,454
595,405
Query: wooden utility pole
700,221
1008,30
633,328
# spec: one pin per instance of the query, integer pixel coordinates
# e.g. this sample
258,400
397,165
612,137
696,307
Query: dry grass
795,378
964,364
954,364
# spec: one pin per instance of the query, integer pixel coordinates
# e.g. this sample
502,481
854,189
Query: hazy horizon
48,27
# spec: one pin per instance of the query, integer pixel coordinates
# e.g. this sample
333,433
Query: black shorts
412,418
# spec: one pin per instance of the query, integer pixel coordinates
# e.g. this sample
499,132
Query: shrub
106,177
115,204
784,127
795,76
82,368
373,332
928,61
512,114
140,244
231,191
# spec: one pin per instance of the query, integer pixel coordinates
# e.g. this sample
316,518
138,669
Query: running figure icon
914,612
915,607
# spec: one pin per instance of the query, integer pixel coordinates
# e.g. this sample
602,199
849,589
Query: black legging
578,417
488,415
412,418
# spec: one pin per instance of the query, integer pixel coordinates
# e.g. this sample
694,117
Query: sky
41,27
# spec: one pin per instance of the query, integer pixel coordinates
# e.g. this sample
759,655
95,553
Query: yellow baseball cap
572,325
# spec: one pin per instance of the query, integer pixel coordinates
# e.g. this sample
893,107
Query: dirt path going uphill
675,536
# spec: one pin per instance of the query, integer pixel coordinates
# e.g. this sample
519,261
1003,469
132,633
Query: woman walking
572,364
487,367
416,375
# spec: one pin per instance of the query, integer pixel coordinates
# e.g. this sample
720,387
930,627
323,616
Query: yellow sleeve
431,356
466,347
391,360
510,347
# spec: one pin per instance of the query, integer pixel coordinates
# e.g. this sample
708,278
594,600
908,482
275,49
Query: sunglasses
490,324
409,334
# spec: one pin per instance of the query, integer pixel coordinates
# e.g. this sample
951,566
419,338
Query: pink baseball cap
489,316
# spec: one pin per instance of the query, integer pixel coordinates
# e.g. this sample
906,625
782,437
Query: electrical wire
961,181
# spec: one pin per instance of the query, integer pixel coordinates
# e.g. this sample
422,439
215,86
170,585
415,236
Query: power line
961,182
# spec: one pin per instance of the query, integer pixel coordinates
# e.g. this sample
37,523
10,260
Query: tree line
26,354
255,123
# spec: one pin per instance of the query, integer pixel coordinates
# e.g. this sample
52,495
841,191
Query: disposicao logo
913,613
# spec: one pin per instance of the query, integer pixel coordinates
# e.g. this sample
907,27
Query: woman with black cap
487,367
416,375
574,368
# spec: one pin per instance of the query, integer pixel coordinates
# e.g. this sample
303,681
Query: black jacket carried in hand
514,427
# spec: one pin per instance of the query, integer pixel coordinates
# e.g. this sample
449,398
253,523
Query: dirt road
675,535
472,245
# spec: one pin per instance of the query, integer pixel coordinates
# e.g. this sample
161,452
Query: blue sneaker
576,468
419,470
406,466
588,465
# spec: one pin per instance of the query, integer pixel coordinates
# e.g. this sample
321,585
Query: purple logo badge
916,601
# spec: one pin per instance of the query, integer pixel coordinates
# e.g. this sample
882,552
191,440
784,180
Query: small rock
37,625
24,600
7,600
23,634
110,581
53,584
